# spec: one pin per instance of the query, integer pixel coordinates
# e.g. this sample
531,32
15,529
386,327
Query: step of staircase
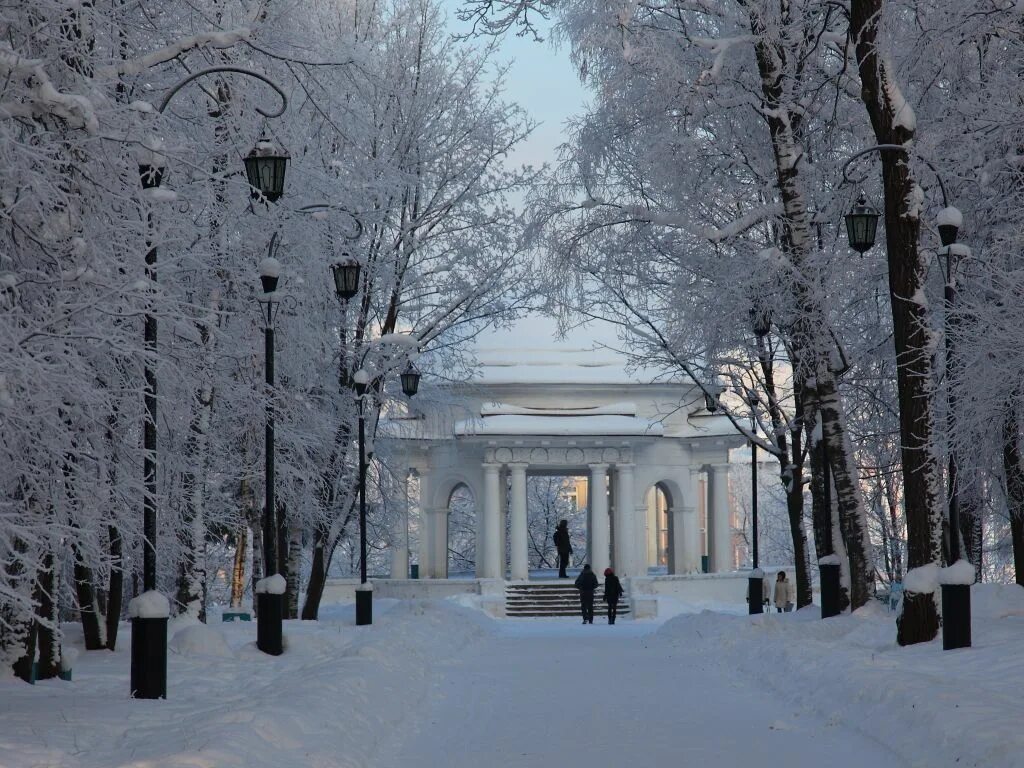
552,599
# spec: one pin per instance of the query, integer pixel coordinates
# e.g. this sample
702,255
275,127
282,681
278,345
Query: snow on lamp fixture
270,273
346,277
949,222
410,380
861,225
265,167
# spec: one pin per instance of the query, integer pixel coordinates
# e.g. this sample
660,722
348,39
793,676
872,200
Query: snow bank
149,605
935,708
200,640
339,695
272,585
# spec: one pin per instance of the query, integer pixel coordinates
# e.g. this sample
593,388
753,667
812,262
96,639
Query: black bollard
364,605
829,577
269,615
755,591
149,658
956,616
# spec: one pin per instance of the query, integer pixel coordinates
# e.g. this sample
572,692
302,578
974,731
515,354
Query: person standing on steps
564,547
612,593
586,583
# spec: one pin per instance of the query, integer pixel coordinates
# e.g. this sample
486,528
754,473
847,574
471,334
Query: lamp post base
829,576
755,594
956,616
149,658
364,606
269,613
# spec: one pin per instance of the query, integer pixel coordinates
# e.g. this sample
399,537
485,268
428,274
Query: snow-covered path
554,693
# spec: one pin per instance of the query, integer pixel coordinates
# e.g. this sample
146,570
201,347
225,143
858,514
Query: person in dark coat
612,593
564,547
586,583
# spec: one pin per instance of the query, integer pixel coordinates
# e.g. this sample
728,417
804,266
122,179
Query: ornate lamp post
346,285
269,590
755,582
860,224
150,611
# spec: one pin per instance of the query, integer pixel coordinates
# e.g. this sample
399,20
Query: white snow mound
201,640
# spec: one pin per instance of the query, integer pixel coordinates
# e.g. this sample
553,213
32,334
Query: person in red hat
612,593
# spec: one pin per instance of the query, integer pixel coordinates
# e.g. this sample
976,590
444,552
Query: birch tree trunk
809,338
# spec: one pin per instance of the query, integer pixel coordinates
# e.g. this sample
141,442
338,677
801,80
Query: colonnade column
691,525
600,537
718,519
424,525
502,523
400,539
488,560
517,530
625,510
439,543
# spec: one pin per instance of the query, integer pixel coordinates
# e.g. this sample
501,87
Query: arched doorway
462,532
659,528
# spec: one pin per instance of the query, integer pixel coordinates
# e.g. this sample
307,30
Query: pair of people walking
587,584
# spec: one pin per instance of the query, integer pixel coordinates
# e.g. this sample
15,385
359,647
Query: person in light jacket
612,593
783,595
586,583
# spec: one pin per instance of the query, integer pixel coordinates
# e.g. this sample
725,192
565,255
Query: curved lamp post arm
329,207
894,148
237,70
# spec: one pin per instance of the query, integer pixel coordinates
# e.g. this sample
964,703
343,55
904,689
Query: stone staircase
553,598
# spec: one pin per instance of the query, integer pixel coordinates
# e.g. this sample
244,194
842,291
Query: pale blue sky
543,81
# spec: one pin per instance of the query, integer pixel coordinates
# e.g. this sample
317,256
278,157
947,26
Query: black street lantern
360,380
861,225
410,380
346,278
265,166
760,321
710,402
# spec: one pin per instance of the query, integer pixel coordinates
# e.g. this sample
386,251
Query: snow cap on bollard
272,585
149,605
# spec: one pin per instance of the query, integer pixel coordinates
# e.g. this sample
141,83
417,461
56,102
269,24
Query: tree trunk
846,483
892,124
238,569
317,578
294,568
115,588
1014,472
88,607
47,620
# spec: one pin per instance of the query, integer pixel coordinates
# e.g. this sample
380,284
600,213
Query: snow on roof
559,426
505,409
531,352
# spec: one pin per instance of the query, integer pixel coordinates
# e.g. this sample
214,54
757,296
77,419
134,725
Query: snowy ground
441,684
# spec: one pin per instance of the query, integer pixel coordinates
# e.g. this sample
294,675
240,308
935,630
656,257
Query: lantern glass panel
410,381
346,279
